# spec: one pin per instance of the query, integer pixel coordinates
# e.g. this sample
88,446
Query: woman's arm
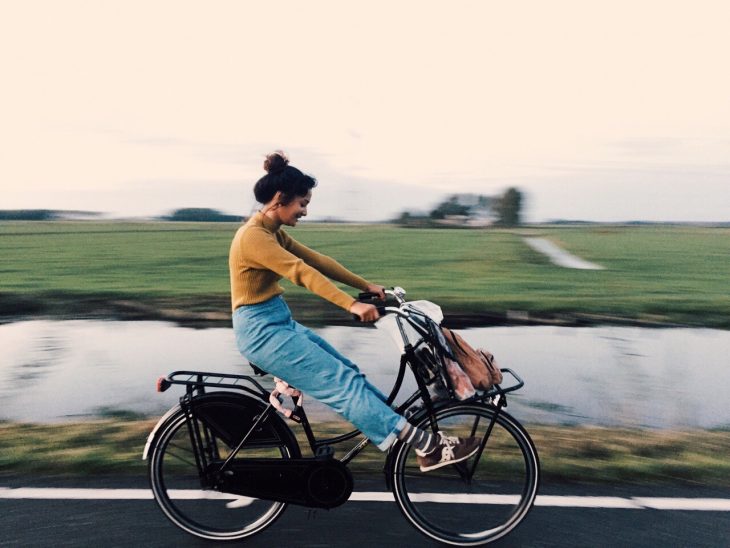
262,250
332,269
327,265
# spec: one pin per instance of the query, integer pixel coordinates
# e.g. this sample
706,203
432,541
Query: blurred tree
202,214
507,207
28,214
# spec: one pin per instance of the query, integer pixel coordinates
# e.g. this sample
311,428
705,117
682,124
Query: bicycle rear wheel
476,501
222,420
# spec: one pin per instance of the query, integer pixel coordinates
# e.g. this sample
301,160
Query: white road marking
662,503
559,256
57,493
235,501
587,502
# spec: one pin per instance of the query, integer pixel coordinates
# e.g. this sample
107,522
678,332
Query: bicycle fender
153,434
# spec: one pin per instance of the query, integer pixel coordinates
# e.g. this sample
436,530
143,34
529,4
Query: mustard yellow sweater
261,255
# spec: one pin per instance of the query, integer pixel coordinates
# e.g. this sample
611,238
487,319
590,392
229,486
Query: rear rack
199,380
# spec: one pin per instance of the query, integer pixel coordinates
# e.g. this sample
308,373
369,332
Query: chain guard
312,482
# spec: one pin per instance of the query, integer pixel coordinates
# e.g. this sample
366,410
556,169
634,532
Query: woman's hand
366,312
379,290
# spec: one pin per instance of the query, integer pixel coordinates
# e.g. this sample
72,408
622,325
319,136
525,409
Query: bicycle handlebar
393,310
368,297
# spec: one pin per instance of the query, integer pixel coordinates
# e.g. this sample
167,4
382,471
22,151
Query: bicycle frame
196,382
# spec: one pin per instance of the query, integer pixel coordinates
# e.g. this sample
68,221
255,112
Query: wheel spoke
187,460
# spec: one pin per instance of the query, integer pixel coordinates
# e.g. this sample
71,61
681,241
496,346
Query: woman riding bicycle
261,254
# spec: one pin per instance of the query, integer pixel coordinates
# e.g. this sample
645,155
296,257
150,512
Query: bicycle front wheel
221,422
476,501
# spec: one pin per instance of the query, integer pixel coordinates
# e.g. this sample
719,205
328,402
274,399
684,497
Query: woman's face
290,213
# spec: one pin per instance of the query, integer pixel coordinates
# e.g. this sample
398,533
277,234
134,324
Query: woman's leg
267,336
327,347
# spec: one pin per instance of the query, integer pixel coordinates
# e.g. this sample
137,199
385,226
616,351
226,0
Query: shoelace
447,453
450,439
448,443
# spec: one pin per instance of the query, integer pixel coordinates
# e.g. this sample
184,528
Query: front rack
498,389
199,380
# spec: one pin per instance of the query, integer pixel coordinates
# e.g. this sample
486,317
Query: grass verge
567,454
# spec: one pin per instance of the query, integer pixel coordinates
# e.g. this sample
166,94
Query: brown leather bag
479,364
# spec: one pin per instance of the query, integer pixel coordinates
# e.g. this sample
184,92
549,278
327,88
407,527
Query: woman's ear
275,201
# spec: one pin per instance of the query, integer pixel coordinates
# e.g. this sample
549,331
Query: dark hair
281,177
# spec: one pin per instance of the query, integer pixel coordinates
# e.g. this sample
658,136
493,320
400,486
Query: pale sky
606,111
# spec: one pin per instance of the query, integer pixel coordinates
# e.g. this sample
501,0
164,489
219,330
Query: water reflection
51,370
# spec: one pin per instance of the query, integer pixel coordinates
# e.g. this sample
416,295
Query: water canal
613,376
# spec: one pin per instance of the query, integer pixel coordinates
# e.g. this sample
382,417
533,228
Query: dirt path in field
559,256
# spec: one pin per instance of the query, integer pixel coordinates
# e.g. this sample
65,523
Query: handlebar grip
367,296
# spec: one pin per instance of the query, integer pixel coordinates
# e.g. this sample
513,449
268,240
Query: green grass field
662,274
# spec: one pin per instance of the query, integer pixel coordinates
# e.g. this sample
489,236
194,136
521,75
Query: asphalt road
44,522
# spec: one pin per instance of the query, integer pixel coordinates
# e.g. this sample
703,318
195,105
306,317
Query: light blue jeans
267,335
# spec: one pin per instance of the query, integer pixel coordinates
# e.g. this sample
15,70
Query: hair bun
276,162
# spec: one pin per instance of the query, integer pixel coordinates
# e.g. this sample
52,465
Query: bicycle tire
176,482
443,506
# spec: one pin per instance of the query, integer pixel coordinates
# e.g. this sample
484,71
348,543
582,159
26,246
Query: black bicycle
224,465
